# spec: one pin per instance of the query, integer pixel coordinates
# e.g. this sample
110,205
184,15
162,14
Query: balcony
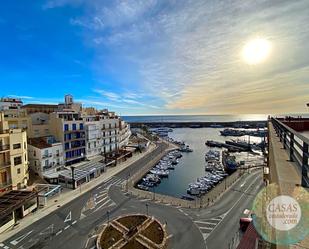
47,155
6,184
288,153
5,164
58,155
4,147
73,131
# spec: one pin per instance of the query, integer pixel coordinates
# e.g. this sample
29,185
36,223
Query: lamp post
107,213
146,208
73,179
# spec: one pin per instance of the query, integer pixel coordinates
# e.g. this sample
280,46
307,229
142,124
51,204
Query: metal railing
297,146
47,155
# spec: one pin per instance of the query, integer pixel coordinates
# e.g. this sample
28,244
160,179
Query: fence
297,146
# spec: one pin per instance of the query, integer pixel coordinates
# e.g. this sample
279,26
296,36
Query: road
76,224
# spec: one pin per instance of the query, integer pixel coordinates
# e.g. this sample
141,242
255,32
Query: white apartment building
45,154
10,103
105,132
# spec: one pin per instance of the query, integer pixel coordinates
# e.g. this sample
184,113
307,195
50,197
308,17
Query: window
18,171
46,163
25,145
16,146
81,126
17,160
74,127
66,127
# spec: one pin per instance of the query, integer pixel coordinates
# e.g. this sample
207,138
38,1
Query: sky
140,57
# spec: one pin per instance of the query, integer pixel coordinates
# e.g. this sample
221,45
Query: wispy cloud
20,96
187,53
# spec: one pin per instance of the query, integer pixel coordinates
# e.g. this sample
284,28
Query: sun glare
256,51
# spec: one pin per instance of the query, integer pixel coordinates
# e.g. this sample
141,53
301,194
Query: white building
45,154
105,132
10,103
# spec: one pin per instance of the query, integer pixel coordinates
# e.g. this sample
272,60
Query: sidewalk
69,195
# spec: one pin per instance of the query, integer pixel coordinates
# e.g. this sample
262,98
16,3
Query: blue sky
156,56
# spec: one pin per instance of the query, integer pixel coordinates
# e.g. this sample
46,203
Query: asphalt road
76,224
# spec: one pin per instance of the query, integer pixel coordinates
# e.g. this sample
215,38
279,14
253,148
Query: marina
197,167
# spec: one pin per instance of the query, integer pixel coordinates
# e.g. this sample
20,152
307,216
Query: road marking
6,247
1,245
69,217
206,222
58,232
100,201
223,216
67,227
216,219
48,230
19,239
101,205
74,222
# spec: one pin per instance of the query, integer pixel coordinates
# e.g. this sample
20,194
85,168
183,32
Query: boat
212,155
232,132
229,162
216,126
185,148
241,144
142,187
212,143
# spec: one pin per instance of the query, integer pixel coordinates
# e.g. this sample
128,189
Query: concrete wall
8,224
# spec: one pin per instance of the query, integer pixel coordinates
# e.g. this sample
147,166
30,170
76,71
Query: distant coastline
201,118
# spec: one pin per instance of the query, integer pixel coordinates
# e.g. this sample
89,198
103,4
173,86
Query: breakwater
233,124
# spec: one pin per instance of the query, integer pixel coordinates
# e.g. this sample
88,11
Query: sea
195,118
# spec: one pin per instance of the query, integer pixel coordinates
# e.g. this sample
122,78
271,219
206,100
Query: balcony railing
6,184
47,155
4,147
5,164
58,155
297,147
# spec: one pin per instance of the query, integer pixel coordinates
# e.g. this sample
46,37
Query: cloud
21,96
51,4
188,53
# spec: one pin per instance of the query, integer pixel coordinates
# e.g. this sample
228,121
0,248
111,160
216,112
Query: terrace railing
297,147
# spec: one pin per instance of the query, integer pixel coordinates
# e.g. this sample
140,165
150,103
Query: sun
256,51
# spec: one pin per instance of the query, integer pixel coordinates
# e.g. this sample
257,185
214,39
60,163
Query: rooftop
42,142
12,200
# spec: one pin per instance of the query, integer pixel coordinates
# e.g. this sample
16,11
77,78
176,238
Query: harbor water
192,164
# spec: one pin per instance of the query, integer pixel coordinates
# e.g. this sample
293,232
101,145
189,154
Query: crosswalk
100,199
116,181
206,226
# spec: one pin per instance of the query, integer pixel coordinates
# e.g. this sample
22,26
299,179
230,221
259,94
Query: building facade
13,157
45,154
68,128
105,133
44,108
10,103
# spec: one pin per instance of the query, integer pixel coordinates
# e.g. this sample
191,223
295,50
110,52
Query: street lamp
107,213
154,193
146,208
127,185
73,179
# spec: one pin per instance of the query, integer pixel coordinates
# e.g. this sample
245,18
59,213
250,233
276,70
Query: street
76,224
